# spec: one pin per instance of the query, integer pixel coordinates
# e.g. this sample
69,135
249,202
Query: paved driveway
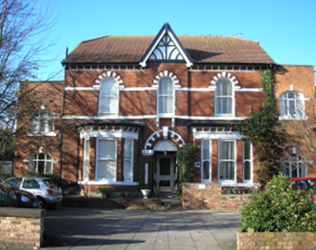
83,228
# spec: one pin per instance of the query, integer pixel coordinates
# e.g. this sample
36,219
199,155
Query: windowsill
241,185
165,115
108,115
42,134
205,181
106,182
225,115
291,118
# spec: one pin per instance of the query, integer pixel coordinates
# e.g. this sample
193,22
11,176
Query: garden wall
209,196
21,227
278,240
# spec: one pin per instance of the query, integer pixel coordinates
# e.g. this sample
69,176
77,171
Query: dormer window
108,99
165,99
292,105
42,122
224,98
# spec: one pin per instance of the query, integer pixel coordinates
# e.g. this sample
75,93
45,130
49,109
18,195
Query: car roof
303,179
33,178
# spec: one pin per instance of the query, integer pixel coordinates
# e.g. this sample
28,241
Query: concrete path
100,229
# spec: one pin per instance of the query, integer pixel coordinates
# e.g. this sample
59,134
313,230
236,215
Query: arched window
224,98
165,97
294,166
41,163
292,105
108,97
42,122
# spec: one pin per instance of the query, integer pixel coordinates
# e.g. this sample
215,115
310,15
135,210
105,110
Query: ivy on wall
265,132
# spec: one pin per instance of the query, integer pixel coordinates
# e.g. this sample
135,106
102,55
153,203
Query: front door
166,174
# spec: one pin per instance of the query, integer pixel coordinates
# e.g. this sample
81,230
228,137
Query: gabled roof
168,40
194,49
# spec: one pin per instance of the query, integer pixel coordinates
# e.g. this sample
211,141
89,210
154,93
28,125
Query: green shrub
102,190
279,208
54,177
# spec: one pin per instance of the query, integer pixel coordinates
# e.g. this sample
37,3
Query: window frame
232,114
299,100
39,117
131,159
299,162
222,180
36,160
209,160
106,159
110,113
166,95
247,160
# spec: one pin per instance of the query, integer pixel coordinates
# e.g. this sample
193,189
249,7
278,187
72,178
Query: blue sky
286,29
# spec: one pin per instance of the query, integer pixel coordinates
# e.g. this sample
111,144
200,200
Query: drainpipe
60,145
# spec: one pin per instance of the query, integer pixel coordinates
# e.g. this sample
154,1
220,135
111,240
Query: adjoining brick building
130,102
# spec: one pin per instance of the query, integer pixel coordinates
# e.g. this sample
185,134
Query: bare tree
24,29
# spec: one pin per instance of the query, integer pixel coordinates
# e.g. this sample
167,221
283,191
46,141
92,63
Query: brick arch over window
157,136
166,73
109,74
227,75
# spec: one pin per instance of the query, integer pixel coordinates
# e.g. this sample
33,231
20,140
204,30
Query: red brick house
130,102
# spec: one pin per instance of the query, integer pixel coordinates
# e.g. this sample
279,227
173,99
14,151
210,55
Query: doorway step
170,199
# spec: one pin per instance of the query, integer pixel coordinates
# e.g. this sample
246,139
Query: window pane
41,167
164,166
247,169
292,107
223,105
206,149
128,149
127,170
303,172
286,169
165,86
227,150
31,166
290,94
223,87
247,150
206,170
227,170
108,86
106,169
106,149
165,104
49,168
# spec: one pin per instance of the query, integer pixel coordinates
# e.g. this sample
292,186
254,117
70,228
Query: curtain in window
224,97
106,159
227,160
128,169
165,96
108,97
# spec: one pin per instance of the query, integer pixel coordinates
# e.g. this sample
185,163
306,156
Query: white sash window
292,105
247,161
41,163
106,159
86,159
206,161
128,159
108,99
165,97
224,97
227,161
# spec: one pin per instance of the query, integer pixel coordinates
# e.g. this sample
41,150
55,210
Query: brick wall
21,227
209,196
278,240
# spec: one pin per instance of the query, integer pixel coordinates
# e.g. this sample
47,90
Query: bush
54,177
279,208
